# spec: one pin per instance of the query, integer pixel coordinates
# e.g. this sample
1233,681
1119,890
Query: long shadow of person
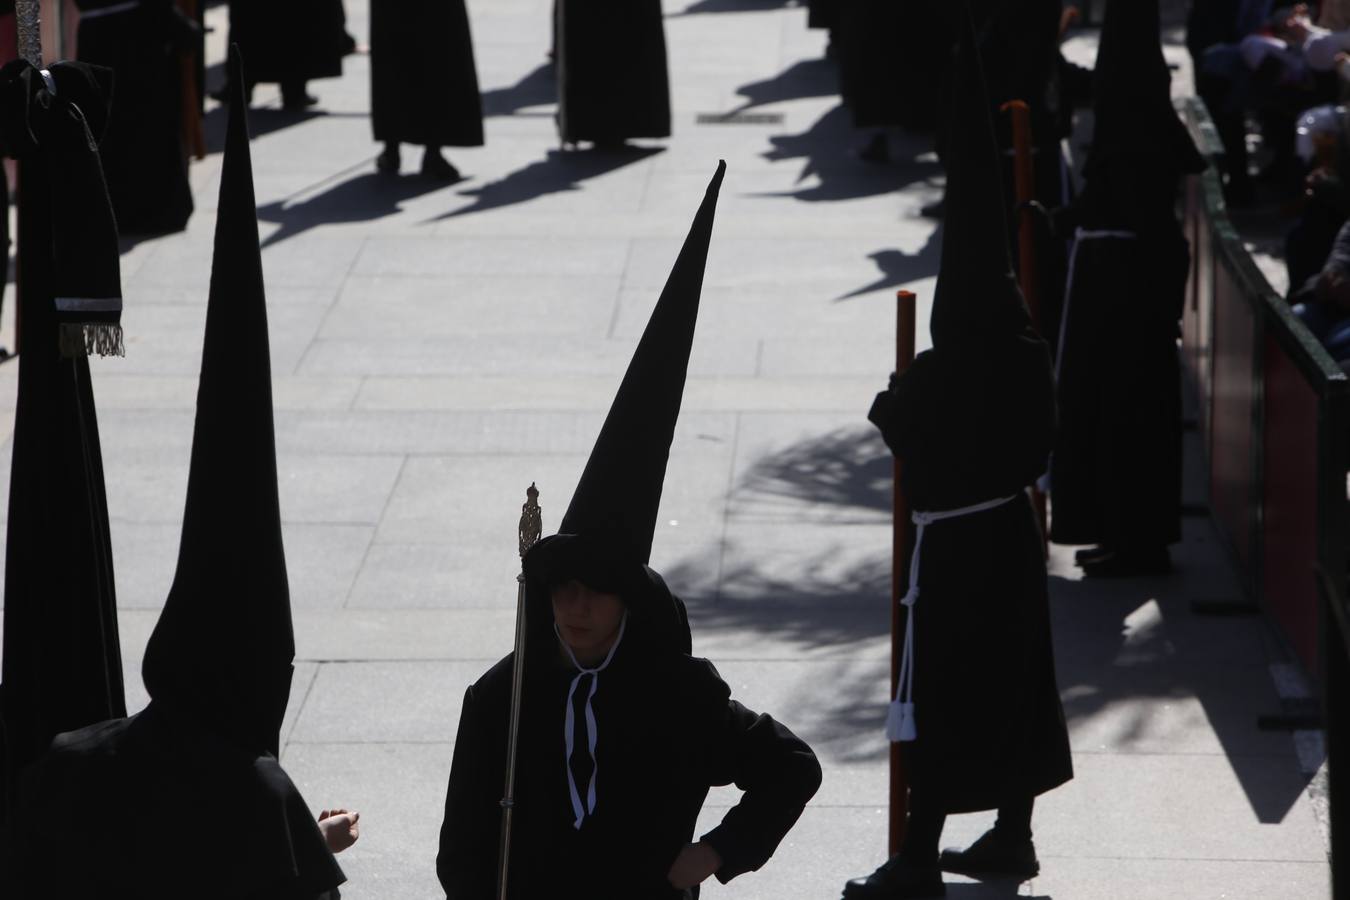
557,172
899,268
825,148
804,79
365,198
536,88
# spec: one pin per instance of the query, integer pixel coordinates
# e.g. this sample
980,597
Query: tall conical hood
222,650
1132,106
977,296
62,661
614,508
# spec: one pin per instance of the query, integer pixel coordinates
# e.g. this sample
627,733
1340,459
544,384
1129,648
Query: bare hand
340,828
695,864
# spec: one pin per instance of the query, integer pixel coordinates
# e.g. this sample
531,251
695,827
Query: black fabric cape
144,155
890,52
165,780
612,79
293,40
970,424
61,656
423,85
667,730
1116,472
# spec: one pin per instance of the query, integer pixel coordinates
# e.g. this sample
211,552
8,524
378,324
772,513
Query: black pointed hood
223,648
977,296
1132,104
605,538
62,664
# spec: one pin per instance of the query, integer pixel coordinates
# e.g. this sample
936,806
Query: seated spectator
1323,301
1322,145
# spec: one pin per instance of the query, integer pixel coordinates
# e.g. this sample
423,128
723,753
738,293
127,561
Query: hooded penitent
221,653
1132,106
62,663
605,538
988,374
971,422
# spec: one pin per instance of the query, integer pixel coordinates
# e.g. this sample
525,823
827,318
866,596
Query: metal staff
28,24
531,526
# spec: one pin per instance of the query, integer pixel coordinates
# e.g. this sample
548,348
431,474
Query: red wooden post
900,545
1024,179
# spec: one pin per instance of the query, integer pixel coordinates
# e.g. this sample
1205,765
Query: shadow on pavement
730,6
900,268
557,172
827,151
262,121
365,198
537,88
847,467
799,81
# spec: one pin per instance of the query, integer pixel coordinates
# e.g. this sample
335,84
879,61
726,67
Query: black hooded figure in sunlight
218,664
1116,476
622,730
978,712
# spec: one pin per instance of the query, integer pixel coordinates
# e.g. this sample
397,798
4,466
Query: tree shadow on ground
1138,670
899,268
827,151
557,172
536,88
365,198
848,469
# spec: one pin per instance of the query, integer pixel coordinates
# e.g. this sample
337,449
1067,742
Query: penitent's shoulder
494,684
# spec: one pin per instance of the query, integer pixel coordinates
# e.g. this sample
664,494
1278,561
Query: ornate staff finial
531,520
27,19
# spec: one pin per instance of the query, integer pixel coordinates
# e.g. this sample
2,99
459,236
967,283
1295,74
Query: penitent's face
587,619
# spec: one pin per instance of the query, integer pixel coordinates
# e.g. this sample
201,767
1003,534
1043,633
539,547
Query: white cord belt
900,716
592,732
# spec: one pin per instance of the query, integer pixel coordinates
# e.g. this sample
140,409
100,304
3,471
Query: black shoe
897,879
296,99
993,856
438,168
1087,554
387,162
1129,564
876,150
935,210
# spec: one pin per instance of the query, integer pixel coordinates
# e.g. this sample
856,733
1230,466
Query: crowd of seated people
1282,74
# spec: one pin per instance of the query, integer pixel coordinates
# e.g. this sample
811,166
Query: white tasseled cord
592,732
900,715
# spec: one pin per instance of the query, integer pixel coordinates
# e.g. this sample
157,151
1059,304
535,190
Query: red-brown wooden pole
1024,182
194,134
900,544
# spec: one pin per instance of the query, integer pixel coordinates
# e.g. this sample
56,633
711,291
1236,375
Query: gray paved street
436,349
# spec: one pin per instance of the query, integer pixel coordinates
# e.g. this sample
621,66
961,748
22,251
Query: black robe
971,424
612,79
1116,474
145,158
666,731
889,53
156,808
289,41
423,85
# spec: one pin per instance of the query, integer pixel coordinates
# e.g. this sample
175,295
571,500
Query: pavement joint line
335,298
309,689
384,510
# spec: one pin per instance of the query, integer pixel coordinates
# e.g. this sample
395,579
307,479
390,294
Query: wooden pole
194,135
1024,181
901,540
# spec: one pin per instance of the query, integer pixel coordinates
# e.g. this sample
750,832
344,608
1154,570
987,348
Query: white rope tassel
592,732
900,724
1079,236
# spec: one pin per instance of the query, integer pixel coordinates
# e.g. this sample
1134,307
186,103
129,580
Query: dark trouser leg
923,830
1014,819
